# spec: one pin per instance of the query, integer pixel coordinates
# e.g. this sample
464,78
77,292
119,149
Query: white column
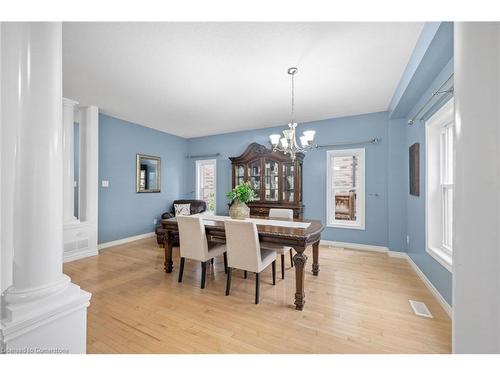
68,161
42,309
89,160
476,242
7,148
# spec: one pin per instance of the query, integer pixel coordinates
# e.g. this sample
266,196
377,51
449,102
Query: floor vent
420,309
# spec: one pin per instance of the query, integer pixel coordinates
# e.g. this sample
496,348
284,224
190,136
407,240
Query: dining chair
244,252
280,213
194,245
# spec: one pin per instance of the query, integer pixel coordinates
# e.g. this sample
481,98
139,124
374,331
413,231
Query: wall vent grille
76,245
420,309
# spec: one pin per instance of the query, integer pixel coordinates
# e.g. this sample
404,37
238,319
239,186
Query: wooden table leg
299,260
167,243
315,266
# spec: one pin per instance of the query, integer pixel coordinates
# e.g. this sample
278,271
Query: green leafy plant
242,193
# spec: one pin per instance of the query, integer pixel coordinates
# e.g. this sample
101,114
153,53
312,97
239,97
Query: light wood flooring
357,304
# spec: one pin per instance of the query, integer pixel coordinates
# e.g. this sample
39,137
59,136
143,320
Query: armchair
197,207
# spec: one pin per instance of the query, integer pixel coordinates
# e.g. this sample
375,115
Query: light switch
105,183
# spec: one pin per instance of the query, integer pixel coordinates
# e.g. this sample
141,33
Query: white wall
476,258
7,139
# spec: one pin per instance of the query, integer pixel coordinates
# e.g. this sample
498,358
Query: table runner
277,223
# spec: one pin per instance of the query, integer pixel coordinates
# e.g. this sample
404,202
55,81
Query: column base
54,323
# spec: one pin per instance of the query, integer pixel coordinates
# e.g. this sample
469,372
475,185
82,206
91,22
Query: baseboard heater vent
420,309
76,245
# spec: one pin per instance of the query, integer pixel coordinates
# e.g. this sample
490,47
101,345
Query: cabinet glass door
271,180
288,182
254,177
239,174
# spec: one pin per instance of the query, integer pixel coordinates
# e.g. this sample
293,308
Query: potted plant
239,196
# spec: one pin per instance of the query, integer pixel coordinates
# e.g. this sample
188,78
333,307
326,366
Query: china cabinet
275,178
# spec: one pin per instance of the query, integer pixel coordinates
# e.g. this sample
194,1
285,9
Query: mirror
148,174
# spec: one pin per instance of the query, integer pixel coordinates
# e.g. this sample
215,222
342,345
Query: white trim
444,304
395,254
360,190
355,246
442,116
441,257
198,164
122,241
79,254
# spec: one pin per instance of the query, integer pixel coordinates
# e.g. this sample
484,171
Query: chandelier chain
293,98
287,143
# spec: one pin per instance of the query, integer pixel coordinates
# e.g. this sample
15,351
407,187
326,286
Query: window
345,188
206,182
439,155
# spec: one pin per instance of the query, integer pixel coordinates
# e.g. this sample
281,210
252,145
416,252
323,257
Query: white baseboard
444,304
355,246
125,240
395,254
79,254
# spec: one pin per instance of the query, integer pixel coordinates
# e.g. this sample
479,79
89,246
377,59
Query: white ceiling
194,79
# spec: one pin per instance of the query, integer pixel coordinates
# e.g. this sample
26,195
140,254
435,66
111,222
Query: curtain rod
372,141
202,156
434,94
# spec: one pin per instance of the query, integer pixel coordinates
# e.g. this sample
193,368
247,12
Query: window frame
359,224
436,126
198,165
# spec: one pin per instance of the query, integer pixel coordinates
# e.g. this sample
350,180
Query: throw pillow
182,209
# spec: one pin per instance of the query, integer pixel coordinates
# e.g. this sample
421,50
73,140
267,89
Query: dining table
297,234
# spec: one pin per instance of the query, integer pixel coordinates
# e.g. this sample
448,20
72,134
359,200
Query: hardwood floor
357,304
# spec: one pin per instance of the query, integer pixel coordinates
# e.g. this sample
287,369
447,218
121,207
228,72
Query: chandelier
287,143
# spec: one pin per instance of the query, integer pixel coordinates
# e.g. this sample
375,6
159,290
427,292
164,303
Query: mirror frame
137,173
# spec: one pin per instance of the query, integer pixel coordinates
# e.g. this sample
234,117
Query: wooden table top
312,231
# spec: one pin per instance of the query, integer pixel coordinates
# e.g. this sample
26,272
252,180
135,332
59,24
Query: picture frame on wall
148,174
415,169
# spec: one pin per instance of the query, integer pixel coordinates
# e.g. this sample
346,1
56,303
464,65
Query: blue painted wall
433,51
397,184
347,129
122,211
440,277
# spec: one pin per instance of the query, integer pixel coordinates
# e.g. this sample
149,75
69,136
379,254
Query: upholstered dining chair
244,252
194,245
280,213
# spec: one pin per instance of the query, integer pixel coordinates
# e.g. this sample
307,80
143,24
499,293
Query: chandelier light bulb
309,134
304,141
275,139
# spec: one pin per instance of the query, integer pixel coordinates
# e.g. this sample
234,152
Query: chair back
192,238
281,213
243,246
